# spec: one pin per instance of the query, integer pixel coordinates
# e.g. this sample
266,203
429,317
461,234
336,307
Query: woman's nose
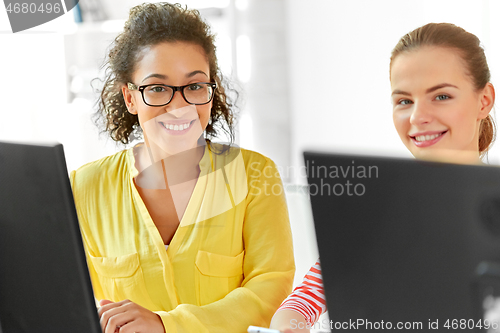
421,114
177,102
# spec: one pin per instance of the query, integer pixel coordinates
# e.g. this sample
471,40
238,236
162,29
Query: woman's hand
128,317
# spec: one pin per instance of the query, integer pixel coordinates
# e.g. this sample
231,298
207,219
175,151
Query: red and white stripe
308,298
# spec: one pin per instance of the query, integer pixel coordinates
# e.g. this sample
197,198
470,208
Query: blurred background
311,74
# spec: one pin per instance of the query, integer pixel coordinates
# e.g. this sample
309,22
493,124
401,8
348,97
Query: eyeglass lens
196,93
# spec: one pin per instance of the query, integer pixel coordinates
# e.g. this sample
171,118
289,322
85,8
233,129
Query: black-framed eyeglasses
161,94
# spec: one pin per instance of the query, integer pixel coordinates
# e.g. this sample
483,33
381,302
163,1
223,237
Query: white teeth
176,127
421,138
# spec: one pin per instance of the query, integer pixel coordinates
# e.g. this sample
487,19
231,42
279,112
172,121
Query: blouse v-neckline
190,213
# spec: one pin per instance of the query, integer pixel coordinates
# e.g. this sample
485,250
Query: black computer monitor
406,241
44,280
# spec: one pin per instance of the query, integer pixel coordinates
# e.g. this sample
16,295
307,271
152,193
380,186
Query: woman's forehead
428,66
172,59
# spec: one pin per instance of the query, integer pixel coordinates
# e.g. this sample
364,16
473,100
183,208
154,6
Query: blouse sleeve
96,286
268,264
308,298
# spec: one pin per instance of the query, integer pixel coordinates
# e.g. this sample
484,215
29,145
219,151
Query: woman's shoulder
104,167
249,156
238,161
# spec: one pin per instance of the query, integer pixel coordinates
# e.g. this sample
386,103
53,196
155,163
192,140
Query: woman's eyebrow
193,73
159,76
163,77
436,87
400,92
439,86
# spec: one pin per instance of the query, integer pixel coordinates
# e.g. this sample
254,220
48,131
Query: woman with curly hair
180,233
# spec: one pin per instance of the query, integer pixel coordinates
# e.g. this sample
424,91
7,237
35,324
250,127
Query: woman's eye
157,89
194,86
404,102
442,97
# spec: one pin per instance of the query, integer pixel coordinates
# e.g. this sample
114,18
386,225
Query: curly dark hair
148,25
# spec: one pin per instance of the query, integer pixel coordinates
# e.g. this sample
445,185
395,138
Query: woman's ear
129,100
487,101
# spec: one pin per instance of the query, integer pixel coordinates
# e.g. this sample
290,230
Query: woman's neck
168,171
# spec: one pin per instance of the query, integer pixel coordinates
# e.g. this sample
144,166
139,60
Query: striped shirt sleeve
308,298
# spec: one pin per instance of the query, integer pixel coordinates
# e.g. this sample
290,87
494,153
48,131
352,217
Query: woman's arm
304,305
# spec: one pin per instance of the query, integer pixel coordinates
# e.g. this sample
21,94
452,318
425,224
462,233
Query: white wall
339,66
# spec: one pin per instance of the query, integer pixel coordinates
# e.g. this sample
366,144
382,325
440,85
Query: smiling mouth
423,138
177,127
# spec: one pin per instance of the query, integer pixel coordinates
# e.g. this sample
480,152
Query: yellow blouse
230,263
